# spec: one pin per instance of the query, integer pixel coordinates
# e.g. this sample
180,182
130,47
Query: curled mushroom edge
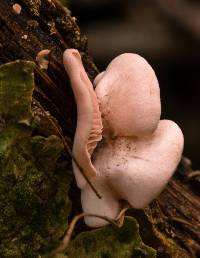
134,153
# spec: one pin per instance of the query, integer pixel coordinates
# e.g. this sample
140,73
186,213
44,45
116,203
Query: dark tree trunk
171,224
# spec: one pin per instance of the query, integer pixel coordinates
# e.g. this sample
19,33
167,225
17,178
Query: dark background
167,34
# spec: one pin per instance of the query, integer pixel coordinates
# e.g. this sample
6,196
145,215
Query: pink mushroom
138,153
129,96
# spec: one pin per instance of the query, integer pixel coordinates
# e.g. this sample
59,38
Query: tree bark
171,224
45,25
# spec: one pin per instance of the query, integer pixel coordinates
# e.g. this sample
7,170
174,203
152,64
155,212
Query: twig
67,236
179,220
121,215
193,174
118,222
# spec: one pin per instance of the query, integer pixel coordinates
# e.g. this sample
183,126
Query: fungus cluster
137,152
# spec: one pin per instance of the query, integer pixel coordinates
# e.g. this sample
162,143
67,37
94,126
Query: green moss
111,242
34,178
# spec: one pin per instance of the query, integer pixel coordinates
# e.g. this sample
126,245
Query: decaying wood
44,25
171,224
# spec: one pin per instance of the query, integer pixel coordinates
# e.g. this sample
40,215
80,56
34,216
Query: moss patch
34,177
111,242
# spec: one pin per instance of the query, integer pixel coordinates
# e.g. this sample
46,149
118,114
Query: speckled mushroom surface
137,153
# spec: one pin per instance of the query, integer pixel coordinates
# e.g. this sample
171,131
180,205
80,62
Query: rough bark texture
171,224
44,25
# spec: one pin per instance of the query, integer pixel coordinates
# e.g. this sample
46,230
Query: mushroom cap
137,170
129,97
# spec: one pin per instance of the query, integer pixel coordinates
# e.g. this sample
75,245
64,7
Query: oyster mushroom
138,153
